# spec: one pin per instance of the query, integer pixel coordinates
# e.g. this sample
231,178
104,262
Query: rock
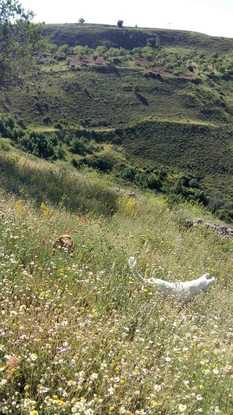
188,223
198,221
221,230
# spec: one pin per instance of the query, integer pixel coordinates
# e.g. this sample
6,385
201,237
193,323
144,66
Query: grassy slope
94,35
81,334
202,149
98,99
124,97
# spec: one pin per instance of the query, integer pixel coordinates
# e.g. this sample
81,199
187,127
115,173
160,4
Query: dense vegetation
181,174
118,137
19,40
80,333
164,98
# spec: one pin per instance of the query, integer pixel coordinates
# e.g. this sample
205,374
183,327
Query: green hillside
118,141
94,35
164,97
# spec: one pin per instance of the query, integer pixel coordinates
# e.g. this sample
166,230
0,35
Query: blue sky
214,17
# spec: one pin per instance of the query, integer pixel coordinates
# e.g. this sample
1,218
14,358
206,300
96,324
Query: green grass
111,103
81,334
56,185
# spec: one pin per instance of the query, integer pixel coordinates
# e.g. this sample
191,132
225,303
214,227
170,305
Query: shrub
75,163
82,146
225,215
4,146
78,147
141,179
128,173
47,120
102,163
154,182
120,23
42,145
9,128
215,203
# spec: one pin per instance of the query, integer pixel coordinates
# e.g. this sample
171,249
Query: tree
19,39
120,23
81,20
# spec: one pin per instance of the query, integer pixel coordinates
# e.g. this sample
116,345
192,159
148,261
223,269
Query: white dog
181,290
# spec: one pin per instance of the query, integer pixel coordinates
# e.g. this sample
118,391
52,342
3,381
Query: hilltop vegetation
94,35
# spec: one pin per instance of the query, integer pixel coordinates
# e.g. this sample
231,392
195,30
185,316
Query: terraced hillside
164,97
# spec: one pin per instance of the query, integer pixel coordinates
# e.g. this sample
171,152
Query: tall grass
81,335
56,185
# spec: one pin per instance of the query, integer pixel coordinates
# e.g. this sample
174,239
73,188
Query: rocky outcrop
222,230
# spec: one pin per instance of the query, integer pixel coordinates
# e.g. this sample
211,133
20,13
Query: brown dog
64,242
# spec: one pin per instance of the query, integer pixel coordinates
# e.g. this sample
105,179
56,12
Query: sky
213,17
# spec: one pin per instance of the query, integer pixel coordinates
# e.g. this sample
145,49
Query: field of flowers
80,334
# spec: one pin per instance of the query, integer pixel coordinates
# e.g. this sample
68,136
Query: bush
9,128
42,145
120,23
75,163
154,182
102,163
141,179
188,187
80,147
215,203
128,173
4,146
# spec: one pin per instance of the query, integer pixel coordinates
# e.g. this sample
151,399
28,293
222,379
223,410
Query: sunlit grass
80,334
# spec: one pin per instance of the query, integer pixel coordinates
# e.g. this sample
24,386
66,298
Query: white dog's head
206,281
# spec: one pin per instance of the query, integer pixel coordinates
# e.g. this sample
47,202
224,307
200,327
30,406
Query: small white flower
111,390
94,376
3,382
199,398
182,408
33,357
132,262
